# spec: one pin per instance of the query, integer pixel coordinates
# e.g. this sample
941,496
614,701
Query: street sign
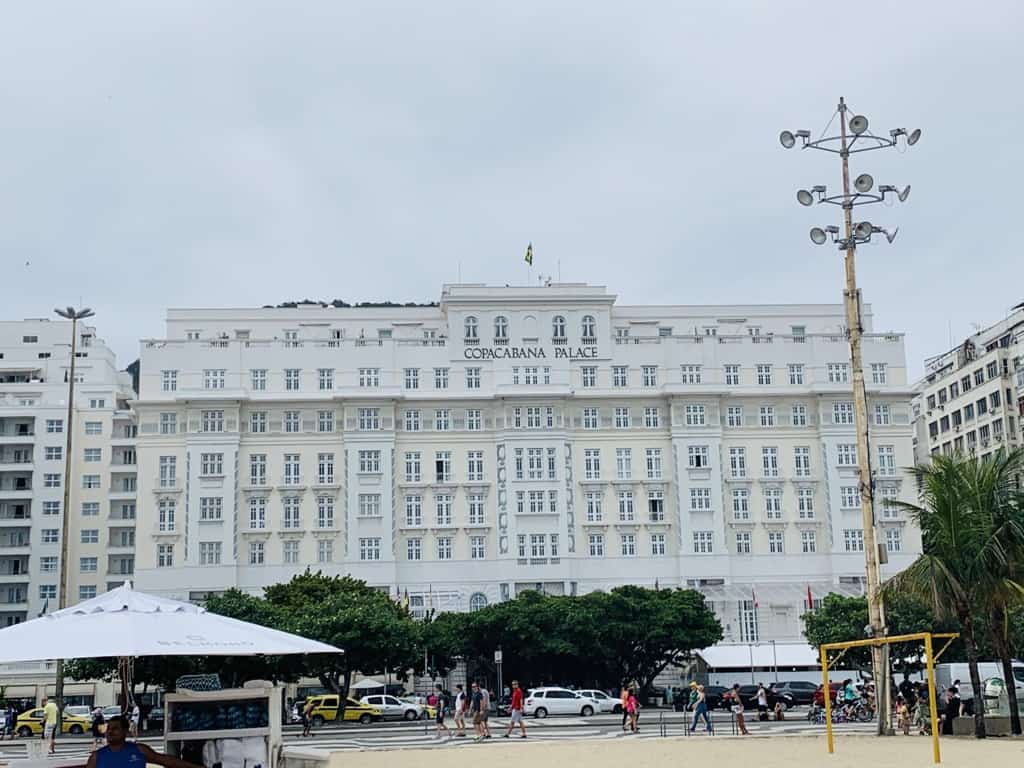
497,657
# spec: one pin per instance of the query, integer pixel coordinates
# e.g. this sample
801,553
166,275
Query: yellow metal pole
828,698
932,704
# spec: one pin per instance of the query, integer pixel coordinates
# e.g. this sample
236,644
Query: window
849,497
796,373
369,419
325,421
650,375
291,421
325,468
888,495
700,499
369,462
558,328
412,467
628,545
695,416
258,469
443,509
414,549
653,463
770,461
588,330
472,378
442,419
808,542
257,513
879,373
51,480
993,400
992,369
209,552
592,463
622,418
444,547
883,415
53,507
732,375
805,503
413,511
703,542
258,422
767,413
87,592
893,540
168,423
412,421
740,504
165,555
626,512
620,376
369,548
593,499
743,543
53,453
697,457
93,428
54,426
213,378
838,373
211,508
291,469
443,466
776,543
476,509
90,481
476,548
440,378
501,329
734,416
169,381
369,377
475,466
887,460
324,551
691,374
656,506
657,544
737,462
589,375
290,552
802,461
595,543
853,540
89,508
211,464
624,463
979,377
652,417
773,503
474,420
842,413
590,418
165,515
325,512
981,406
90,536
291,379
256,553
764,374
799,416
412,378
846,455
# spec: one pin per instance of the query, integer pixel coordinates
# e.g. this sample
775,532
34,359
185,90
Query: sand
756,752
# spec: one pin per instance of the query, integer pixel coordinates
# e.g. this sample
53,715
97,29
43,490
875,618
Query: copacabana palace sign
529,353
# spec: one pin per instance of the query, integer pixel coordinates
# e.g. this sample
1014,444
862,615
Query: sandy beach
781,752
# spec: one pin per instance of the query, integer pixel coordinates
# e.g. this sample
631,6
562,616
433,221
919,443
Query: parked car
748,696
326,708
393,708
78,710
541,702
429,712
714,695
801,691
819,697
30,723
605,703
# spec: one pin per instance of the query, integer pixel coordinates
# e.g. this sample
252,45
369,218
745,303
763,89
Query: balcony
15,546
173,485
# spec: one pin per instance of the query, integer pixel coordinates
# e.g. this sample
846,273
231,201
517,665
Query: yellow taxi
30,723
326,707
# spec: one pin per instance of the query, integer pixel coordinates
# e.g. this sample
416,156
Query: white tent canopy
367,684
124,622
766,655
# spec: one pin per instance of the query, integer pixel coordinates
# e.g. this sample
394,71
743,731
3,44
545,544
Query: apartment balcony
12,520
120,494
167,486
12,464
20,493
15,546
9,607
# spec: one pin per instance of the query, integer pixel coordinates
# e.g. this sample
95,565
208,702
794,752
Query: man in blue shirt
120,753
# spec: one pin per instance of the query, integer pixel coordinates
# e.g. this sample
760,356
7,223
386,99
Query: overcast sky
180,153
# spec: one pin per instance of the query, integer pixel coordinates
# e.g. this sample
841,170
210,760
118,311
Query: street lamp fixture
853,137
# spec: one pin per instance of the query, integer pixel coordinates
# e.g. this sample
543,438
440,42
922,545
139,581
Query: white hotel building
519,438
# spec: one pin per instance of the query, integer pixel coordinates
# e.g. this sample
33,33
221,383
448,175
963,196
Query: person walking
516,712
737,710
307,718
952,710
460,711
624,701
700,710
762,702
12,720
485,710
633,710
133,729
97,728
692,702
50,724
440,704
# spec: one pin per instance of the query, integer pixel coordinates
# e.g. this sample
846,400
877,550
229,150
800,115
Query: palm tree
965,555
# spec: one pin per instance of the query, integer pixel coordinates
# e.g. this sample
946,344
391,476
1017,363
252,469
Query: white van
947,674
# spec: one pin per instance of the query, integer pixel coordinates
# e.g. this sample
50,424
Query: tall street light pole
74,315
853,138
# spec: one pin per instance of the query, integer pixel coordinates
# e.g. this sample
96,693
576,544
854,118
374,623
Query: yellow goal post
931,656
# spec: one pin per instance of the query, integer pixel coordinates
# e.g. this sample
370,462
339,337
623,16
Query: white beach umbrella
124,622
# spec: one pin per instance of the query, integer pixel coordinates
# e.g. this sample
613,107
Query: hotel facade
516,438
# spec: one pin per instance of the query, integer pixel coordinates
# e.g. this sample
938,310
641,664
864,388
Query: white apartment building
513,438
971,399
34,365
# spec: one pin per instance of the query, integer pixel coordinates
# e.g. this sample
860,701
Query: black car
713,695
748,695
801,691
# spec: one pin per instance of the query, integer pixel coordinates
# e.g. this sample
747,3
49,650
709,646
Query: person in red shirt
516,711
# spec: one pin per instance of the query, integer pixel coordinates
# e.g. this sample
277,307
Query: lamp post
74,315
854,138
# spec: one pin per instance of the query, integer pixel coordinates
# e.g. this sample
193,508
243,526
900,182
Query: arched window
471,328
558,327
477,601
501,327
589,328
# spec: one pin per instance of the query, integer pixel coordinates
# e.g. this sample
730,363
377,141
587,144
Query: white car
541,702
393,708
605,703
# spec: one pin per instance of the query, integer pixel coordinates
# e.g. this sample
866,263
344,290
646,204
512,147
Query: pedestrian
475,702
485,710
692,702
97,728
441,707
3,722
624,700
307,718
737,710
12,720
780,711
516,712
119,753
952,710
460,711
668,696
903,714
762,702
700,710
633,709
50,723
133,729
